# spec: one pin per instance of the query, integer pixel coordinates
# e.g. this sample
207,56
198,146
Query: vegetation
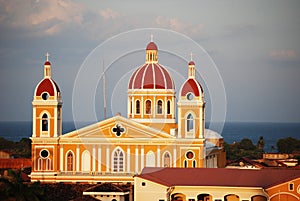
244,148
21,149
13,188
288,145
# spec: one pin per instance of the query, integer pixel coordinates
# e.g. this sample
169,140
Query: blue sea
232,131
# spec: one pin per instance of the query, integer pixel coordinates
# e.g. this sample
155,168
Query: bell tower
191,107
47,106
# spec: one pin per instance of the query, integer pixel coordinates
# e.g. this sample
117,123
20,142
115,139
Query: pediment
117,127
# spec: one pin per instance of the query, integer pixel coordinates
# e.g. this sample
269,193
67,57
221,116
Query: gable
117,127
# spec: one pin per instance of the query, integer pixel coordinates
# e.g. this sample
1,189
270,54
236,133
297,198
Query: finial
151,37
47,56
191,56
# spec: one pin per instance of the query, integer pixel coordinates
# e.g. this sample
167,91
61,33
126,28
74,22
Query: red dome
151,46
191,85
47,85
151,76
191,63
47,63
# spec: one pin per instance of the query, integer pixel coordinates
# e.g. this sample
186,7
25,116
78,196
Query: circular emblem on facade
45,96
190,96
44,153
189,155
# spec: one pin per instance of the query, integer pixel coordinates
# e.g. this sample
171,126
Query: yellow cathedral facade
117,148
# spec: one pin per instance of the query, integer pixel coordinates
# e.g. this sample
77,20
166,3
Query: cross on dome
151,38
47,56
191,56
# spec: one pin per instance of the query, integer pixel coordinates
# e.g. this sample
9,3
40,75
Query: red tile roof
218,176
151,46
47,85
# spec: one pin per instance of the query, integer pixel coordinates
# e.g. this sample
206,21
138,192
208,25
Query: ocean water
232,131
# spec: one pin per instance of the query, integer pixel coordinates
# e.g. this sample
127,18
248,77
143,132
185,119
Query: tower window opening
159,107
45,122
168,107
148,107
137,107
190,123
70,161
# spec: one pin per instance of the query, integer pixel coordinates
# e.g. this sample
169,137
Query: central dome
151,75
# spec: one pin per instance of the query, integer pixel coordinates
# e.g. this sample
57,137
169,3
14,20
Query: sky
247,53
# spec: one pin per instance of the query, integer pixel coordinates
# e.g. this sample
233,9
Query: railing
95,173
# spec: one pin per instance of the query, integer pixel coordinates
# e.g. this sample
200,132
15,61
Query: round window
44,153
45,96
190,96
189,155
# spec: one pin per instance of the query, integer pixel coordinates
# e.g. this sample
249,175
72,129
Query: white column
158,156
174,157
136,159
142,157
94,159
154,108
132,107
128,158
107,158
173,109
165,107
99,158
55,122
142,107
77,158
61,158
34,122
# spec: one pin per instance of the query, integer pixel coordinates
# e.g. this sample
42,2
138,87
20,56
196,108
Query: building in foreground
217,184
114,150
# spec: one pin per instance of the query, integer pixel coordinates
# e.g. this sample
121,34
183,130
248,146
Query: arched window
70,161
45,122
118,160
150,159
159,107
86,161
148,107
166,159
137,107
44,162
169,107
190,123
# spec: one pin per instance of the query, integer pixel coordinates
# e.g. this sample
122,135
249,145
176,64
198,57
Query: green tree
246,144
13,187
288,145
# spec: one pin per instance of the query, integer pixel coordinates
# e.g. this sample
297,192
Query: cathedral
160,130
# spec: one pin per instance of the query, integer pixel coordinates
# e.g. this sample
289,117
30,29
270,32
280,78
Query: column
94,159
142,107
61,158
158,156
136,159
174,157
165,107
107,158
77,158
154,108
99,158
128,158
142,157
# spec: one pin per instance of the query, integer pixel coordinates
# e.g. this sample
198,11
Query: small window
291,186
143,183
148,107
168,107
191,199
190,123
44,153
190,96
161,200
45,122
189,155
159,107
137,107
45,96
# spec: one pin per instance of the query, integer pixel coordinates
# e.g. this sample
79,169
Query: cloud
108,14
283,54
178,25
41,16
